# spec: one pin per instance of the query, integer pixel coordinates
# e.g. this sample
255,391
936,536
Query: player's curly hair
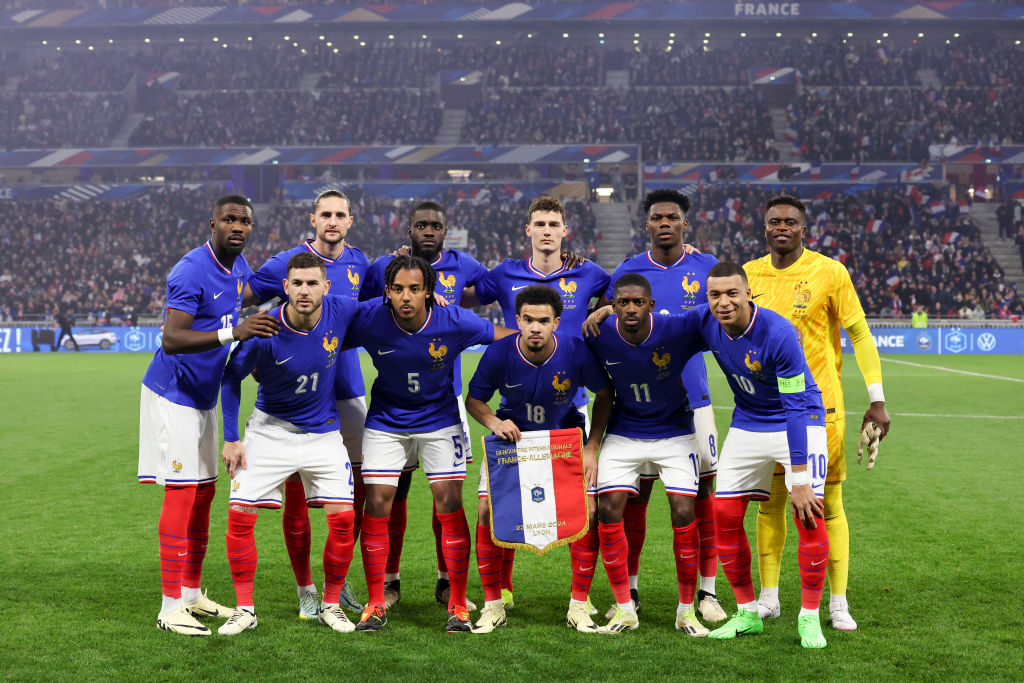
539,295
545,203
411,263
666,195
787,200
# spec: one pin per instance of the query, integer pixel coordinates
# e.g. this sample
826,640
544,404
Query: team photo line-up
635,339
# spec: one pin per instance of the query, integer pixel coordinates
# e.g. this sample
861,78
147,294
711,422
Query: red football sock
613,552
812,554
684,546
508,563
358,500
374,542
172,531
455,534
241,545
733,547
337,553
435,525
297,533
705,510
634,520
198,536
489,561
582,558
396,535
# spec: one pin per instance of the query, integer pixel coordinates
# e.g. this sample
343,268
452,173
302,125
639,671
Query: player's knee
378,499
447,495
483,511
682,510
243,508
609,509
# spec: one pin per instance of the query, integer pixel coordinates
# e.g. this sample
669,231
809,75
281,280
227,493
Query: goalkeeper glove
870,436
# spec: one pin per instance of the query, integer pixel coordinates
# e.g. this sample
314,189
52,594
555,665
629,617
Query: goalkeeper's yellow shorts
836,431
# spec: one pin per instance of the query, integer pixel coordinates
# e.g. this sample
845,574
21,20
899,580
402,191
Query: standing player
415,345
178,410
651,423
535,372
455,271
778,418
576,285
346,268
293,429
816,294
676,279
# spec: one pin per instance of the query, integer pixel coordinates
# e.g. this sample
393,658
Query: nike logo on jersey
516,289
512,386
754,296
282,362
217,295
613,362
384,353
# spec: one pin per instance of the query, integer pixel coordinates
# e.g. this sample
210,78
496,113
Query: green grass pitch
935,577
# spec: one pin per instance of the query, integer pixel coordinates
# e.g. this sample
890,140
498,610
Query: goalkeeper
816,294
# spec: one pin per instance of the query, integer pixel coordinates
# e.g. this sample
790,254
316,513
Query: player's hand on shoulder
507,430
591,326
403,250
571,259
440,300
690,249
233,456
259,325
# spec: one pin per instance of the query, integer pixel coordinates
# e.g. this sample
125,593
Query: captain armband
792,385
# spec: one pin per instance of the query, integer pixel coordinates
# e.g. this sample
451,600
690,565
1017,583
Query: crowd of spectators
677,123
919,255
850,124
289,117
59,120
107,261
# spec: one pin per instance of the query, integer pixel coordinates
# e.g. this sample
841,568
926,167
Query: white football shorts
275,449
177,444
352,412
706,433
442,453
675,459
748,461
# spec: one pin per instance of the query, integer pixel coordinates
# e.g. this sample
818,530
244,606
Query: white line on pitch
960,372
948,417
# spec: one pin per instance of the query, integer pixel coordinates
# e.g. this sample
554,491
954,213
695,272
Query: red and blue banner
538,498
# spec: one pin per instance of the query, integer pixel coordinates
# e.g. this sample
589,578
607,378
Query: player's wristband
800,478
226,335
875,394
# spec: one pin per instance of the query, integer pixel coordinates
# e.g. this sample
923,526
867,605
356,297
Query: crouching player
651,424
538,372
294,428
779,418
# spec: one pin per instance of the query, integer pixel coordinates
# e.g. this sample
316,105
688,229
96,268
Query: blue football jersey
455,270
650,399
576,286
537,397
296,370
676,288
346,274
769,377
201,286
414,390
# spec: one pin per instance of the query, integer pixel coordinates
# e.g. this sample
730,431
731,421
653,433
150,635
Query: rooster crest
690,288
663,360
567,287
353,277
330,346
753,366
441,351
448,280
562,385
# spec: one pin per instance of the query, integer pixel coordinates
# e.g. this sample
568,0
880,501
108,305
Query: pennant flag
537,495
828,241
876,226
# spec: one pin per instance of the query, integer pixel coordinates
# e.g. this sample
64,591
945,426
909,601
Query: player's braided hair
666,195
539,295
411,263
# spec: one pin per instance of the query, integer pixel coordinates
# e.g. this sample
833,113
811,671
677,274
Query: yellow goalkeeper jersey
816,294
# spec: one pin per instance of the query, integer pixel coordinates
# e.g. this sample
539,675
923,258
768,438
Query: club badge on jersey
537,495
